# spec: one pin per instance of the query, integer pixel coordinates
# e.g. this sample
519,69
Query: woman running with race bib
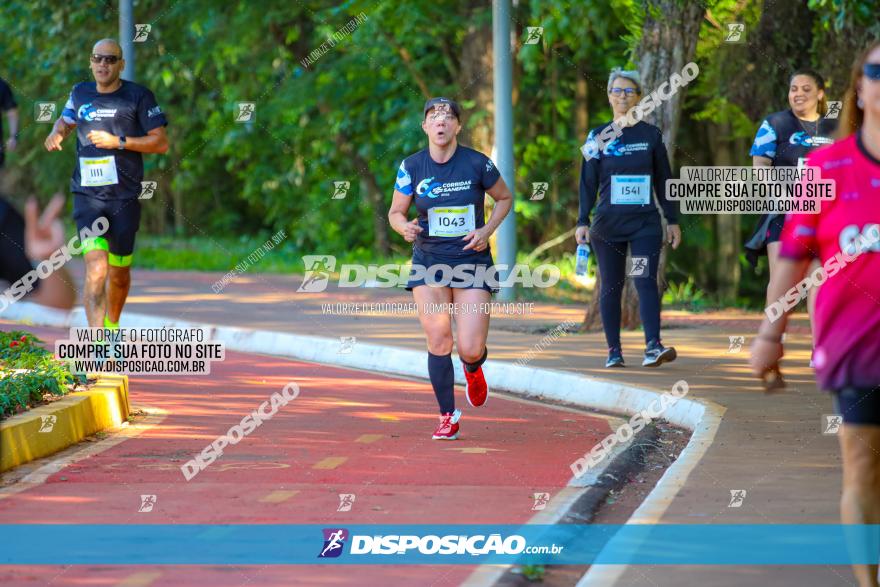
452,265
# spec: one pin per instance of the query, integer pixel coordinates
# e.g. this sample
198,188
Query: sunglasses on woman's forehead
872,71
111,59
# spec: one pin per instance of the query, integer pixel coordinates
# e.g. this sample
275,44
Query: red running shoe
448,429
477,389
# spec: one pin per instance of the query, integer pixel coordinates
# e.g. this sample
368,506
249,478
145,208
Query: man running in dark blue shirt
116,120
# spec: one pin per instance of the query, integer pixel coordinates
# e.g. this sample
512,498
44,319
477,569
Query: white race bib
451,221
95,171
631,189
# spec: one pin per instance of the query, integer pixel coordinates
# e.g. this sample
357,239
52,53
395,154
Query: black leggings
612,268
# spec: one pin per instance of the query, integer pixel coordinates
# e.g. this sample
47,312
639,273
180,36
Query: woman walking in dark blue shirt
625,173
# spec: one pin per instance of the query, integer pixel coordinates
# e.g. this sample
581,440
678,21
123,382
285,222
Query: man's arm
60,130
156,141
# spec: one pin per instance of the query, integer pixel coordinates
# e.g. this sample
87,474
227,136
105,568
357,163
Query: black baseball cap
453,105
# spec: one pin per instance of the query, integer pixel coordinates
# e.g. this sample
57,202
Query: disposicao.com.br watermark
239,431
320,268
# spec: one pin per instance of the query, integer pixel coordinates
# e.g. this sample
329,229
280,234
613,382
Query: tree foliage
354,112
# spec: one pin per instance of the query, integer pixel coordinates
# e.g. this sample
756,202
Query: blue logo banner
567,544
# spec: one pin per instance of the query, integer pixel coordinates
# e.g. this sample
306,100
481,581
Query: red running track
348,432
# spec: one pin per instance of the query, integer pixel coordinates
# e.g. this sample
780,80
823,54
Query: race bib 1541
631,189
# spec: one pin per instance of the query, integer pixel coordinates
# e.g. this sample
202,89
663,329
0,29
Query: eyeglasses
109,59
627,91
872,71
441,112
440,115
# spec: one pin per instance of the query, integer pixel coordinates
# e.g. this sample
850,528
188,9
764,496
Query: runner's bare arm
478,239
503,202
400,204
60,130
156,141
788,274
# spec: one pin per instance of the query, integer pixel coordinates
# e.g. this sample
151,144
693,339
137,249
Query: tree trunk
779,45
476,82
373,193
727,226
667,44
380,220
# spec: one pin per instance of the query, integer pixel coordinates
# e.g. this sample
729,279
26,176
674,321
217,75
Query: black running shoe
615,358
656,354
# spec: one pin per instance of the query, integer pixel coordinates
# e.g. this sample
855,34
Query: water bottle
583,254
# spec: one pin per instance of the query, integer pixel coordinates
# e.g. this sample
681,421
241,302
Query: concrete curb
702,417
69,420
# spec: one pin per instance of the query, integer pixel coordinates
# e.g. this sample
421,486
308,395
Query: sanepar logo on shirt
89,114
427,187
802,139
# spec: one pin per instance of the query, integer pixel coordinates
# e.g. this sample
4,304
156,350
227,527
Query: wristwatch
121,146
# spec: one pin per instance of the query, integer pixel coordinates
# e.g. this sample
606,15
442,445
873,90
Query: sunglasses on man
109,59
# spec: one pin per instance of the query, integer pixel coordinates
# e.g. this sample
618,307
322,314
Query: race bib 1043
452,221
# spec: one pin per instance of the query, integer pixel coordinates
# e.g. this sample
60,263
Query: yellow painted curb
48,429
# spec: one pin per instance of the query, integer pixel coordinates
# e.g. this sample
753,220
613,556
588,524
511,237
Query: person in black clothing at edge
447,182
10,108
25,242
784,139
623,173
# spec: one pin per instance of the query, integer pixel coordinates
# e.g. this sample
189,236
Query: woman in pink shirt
845,237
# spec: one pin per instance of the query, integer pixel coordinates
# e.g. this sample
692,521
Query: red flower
23,338
13,344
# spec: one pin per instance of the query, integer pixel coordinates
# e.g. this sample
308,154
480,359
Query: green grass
42,373
223,254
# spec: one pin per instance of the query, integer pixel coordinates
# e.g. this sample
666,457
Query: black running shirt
787,140
449,197
130,111
625,174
